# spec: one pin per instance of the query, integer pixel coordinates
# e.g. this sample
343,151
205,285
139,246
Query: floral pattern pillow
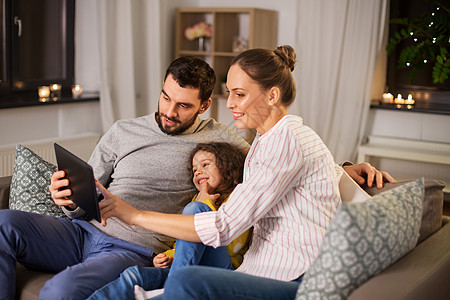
362,240
29,185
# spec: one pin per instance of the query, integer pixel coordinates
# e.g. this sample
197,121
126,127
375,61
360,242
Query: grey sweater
148,169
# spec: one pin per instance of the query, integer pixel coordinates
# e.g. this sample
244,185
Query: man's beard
178,130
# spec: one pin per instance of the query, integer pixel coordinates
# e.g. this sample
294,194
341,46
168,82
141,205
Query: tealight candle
388,98
410,100
44,93
55,91
77,90
399,99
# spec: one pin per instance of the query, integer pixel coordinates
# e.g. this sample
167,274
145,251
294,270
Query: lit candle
55,87
77,90
410,100
388,98
399,99
44,91
56,91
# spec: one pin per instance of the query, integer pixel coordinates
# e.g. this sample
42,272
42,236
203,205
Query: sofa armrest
421,274
5,183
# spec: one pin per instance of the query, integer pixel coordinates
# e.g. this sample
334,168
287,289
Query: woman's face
205,171
247,101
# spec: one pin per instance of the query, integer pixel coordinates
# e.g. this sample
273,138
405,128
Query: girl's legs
148,278
197,282
188,253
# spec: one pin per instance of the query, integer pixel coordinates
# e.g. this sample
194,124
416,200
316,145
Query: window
422,86
37,48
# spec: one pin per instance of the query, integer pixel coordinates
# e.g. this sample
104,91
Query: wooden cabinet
231,27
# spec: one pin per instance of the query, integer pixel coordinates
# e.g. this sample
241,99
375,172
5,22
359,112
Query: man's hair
193,72
229,161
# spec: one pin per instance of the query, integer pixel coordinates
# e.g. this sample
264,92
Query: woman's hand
357,171
113,206
162,261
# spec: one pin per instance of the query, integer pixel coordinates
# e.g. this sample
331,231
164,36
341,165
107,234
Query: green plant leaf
432,42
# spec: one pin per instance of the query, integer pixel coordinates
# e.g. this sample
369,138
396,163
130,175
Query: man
144,162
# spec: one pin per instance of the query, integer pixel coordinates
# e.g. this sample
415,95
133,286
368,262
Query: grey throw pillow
433,203
362,240
29,185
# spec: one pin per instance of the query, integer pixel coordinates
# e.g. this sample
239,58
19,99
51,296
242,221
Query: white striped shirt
289,194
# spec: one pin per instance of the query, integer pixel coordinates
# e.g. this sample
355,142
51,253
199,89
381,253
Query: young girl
217,168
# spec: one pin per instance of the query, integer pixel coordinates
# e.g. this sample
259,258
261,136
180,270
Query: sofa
422,273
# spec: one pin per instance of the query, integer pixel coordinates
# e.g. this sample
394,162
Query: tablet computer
81,181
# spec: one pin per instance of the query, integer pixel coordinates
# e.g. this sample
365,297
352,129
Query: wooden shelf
258,27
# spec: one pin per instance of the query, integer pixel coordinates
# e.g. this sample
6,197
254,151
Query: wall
411,126
25,124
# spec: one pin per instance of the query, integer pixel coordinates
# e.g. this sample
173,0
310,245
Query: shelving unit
257,26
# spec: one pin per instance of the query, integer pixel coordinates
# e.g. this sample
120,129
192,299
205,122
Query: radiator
80,145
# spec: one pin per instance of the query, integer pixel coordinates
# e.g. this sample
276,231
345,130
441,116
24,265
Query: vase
201,44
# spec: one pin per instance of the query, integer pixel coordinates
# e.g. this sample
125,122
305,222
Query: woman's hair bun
287,54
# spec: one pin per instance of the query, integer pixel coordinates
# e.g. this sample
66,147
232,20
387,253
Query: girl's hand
162,261
204,195
113,206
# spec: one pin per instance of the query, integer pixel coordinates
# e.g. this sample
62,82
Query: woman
290,188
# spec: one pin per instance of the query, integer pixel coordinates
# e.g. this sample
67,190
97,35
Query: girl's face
247,101
205,171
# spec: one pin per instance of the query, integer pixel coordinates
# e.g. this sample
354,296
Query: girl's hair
229,161
270,68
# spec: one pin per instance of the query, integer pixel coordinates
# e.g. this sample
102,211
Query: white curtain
129,55
337,43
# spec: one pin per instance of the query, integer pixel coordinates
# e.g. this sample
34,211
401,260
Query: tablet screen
81,181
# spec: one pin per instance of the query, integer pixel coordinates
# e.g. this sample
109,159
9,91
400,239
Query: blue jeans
83,258
191,254
186,253
197,282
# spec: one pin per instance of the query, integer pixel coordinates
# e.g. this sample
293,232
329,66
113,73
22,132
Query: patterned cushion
362,240
29,185
433,203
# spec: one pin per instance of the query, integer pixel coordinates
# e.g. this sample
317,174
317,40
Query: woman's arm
174,225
